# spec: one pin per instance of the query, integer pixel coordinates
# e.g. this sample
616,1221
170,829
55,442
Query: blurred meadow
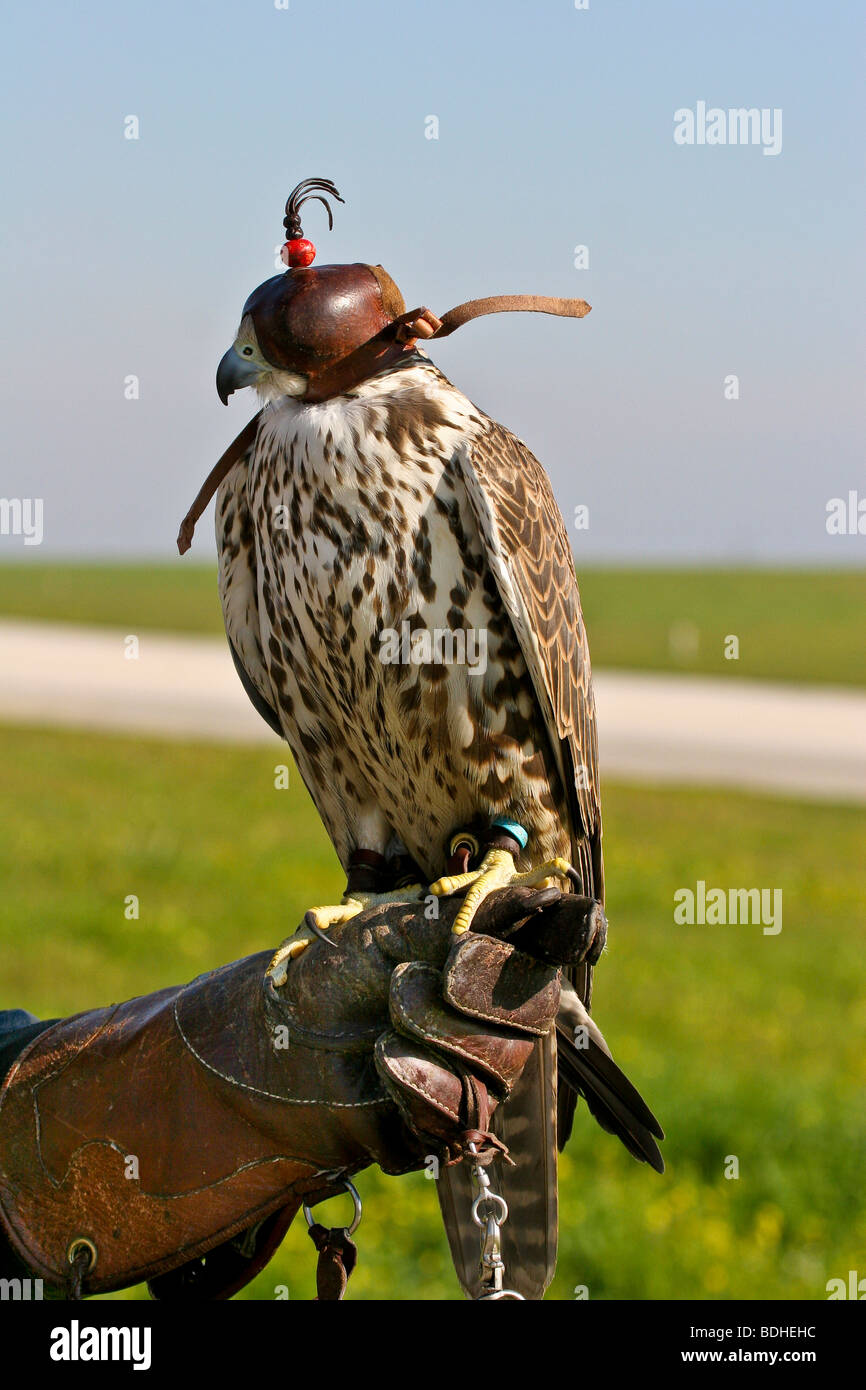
744,1044
799,625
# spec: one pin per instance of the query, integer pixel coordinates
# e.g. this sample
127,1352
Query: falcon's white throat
343,419
276,384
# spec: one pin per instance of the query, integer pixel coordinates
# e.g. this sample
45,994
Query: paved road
655,728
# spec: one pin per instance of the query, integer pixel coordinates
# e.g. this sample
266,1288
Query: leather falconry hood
335,326
310,318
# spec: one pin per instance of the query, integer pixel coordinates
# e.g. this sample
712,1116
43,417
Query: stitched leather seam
451,1048
415,1086
271,1095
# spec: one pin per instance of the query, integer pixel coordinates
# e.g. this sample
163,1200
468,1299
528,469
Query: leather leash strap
387,347
338,1255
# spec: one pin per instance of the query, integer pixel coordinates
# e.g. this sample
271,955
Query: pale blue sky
555,129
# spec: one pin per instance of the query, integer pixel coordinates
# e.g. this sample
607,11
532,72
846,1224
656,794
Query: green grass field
744,1044
804,626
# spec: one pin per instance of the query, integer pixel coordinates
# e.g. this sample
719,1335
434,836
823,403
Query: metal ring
489,1197
353,1193
78,1244
465,839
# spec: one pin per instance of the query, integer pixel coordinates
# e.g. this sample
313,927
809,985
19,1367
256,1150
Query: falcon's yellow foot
319,920
495,871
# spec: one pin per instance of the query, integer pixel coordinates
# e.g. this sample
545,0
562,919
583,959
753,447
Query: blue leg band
514,830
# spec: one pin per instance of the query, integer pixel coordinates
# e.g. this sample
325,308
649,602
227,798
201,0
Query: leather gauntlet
137,1138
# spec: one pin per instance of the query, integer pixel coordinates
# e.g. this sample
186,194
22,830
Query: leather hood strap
387,347
220,470
510,304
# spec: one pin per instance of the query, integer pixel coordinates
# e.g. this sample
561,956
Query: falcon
373,526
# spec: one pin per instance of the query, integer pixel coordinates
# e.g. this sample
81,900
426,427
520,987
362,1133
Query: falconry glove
172,1138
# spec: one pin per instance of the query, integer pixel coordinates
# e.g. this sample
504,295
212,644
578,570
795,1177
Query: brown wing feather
530,554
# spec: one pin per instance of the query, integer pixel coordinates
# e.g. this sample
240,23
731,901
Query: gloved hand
136,1139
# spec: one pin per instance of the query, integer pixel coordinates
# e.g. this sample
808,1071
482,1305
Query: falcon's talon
318,920
496,871
312,925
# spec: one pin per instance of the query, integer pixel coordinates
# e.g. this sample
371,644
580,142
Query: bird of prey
399,595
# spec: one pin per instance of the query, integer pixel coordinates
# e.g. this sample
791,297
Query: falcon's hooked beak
235,372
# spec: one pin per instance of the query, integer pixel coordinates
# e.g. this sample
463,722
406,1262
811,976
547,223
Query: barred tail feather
590,1071
526,1123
